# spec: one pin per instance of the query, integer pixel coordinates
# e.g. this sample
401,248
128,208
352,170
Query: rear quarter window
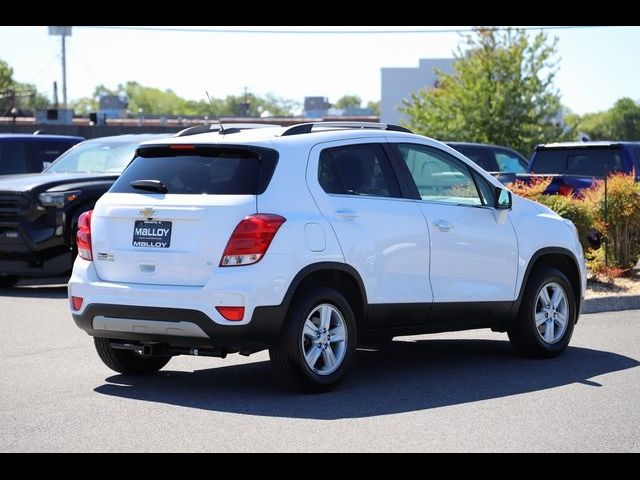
204,170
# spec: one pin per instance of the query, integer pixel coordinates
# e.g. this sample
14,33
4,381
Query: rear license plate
149,233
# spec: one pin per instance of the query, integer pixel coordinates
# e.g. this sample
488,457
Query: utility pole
64,69
64,32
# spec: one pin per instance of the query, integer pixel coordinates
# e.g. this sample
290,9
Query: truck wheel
318,342
128,361
8,281
547,315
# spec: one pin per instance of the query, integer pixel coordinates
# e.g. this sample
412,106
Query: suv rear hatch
167,219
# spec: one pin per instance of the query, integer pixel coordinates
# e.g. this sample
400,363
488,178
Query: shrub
531,190
621,228
576,210
568,207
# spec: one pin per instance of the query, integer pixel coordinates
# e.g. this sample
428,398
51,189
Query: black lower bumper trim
262,332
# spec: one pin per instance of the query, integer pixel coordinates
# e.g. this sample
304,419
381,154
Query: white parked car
309,241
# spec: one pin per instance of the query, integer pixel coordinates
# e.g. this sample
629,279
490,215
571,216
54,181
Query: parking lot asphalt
463,391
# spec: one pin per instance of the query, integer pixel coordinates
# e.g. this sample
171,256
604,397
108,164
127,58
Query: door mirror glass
503,199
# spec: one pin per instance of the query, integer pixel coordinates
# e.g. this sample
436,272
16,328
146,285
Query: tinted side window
357,170
483,157
45,153
509,162
213,171
439,176
13,158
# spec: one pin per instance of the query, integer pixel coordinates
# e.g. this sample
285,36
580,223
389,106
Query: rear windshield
578,161
205,170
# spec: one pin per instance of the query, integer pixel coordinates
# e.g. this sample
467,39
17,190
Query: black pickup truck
39,212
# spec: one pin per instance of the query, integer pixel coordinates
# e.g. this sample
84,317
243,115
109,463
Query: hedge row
620,230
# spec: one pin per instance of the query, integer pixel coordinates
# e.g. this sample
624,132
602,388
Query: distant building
54,116
357,112
316,107
399,83
112,106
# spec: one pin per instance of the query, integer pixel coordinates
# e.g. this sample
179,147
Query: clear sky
597,66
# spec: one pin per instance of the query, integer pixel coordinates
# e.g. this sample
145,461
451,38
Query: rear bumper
194,328
180,315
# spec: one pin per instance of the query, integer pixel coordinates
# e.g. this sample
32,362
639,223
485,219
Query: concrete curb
611,304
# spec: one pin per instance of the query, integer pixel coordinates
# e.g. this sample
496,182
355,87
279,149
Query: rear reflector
76,302
251,239
83,237
233,314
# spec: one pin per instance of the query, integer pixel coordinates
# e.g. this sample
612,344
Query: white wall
398,84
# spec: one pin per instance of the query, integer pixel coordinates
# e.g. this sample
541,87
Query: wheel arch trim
532,261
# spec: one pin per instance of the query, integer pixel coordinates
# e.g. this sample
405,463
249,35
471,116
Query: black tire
287,355
128,361
523,334
8,281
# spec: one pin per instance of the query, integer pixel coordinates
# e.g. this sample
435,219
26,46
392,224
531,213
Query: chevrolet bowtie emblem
148,212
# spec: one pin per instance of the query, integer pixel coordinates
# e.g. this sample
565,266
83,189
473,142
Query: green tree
620,122
6,75
348,101
23,96
375,106
501,92
153,101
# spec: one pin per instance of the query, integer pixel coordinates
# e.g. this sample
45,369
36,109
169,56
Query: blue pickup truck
575,166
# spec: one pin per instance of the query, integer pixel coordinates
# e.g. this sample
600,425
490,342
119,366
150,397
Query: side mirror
502,199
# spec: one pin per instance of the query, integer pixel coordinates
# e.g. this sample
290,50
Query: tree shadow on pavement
403,377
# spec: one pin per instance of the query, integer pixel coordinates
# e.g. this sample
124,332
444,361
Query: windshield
95,157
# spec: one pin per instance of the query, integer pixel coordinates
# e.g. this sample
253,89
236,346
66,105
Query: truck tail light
565,190
83,237
251,239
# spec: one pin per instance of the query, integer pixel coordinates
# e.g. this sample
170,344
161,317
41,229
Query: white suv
309,241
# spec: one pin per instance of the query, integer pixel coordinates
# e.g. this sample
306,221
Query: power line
324,32
82,62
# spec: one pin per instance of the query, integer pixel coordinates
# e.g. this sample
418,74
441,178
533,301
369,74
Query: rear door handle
347,213
442,225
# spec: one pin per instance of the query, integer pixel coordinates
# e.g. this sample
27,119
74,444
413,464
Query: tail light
565,190
83,237
251,239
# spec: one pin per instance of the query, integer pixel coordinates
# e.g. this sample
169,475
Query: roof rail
222,129
309,127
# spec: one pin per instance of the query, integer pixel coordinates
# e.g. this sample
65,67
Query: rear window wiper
150,185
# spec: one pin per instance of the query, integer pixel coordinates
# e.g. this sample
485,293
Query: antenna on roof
219,122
